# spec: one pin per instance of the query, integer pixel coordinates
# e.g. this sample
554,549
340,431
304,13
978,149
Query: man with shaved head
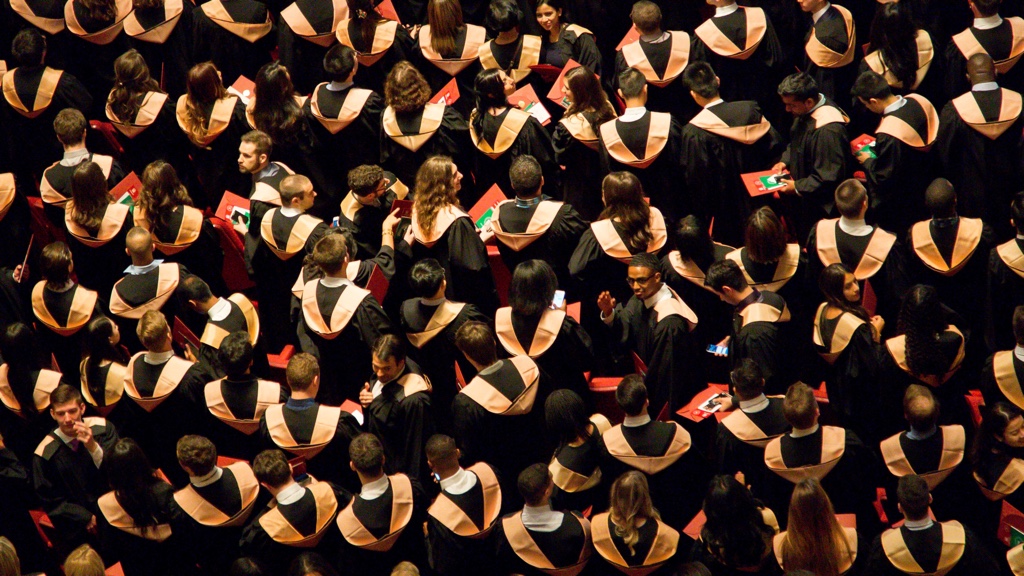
148,284
979,145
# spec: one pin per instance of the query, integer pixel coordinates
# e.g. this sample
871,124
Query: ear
352,465
619,92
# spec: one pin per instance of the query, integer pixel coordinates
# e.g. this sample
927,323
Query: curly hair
922,321
100,10
630,503
162,191
624,203
406,90
435,189
205,88
132,84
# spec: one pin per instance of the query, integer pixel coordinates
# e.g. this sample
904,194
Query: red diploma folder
863,141
557,95
632,36
184,337
377,284
447,95
404,208
547,72
526,99
387,10
243,88
233,204
127,190
761,183
691,410
483,210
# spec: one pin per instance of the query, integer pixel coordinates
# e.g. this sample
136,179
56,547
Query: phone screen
558,300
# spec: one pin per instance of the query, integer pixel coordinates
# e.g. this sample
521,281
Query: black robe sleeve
471,272
829,147
584,51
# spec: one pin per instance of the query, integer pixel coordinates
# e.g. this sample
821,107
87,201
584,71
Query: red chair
974,403
43,230
110,141
115,570
501,273
44,526
235,275
603,390
279,362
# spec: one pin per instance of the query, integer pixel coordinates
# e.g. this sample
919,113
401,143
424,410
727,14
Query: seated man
374,523
744,433
925,546
218,501
305,428
239,400
302,518
464,513
236,313
656,449
538,539
372,191
397,407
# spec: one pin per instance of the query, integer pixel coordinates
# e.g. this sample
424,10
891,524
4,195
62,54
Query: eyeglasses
641,281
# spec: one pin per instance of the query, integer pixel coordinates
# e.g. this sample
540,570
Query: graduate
218,501
538,539
830,47
564,41
770,262
372,191
647,144
303,428
31,104
904,54
504,398
464,514
382,523
379,43
995,455
873,255
339,323
300,518
899,166
96,39
161,30
658,449
721,142
286,235
532,226
757,324
103,368
398,408
630,535
656,325
989,33
305,35
1005,281
235,35
1003,371
239,399
450,48
15,222
254,152
430,322
740,42
816,156
502,133
66,469
511,49
25,387
224,316
980,136
660,56
576,463
346,131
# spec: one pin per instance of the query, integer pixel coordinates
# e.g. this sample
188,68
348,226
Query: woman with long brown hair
576,143
96,229
380,43
213,121
143,115
441,229
737,537
104,365
630,535
450,48
814,539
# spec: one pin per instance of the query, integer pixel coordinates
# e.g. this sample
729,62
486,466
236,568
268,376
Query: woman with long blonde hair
814,539
630,535
441,229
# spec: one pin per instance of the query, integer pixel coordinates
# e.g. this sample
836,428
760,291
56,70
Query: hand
788,187
863,156
365,395
726,405
20,273
189,355
606,303
91,526
724,344
390,222
521,105
83,433
486,233
778,168
242,229
878,323
409,235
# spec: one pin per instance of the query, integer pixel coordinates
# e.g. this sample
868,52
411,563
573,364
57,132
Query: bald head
940,199
139,244
981,68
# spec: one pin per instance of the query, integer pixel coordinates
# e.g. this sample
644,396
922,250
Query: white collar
820,103
338,86
726,10
220,310
636,421
633,114
985,86
136,270
459,483
754,406
805,432
817,15
663,294
157,358
915,525
334,282
541,518
492,368
290,494
432,301
899,103
64,437
1018,351
375,489
987,23
714,102
291,212
207,479
854,227
75,157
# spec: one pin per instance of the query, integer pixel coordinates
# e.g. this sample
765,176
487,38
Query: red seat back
234,273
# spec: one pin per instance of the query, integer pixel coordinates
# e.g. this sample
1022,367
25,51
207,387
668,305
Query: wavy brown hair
588,98
161,192
274,109
624,203
100,10
814,541
406,90
445,19
205,88
132,83
435,189
89,199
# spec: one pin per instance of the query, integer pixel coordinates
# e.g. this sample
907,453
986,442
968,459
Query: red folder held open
447,95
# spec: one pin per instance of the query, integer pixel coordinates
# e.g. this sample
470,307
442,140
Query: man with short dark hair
300,519
725,139
532,225
991,34
217,500
898,166
1006,281
304,428
371,193
464,512
383,523
239,399
926,546
66,467
660,56
830,47
538,539
254,159
817,151
236,313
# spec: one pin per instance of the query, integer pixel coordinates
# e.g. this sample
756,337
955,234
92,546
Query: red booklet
761,183
632,36
377,284
243,88
526,100
404,208
556,94
547,72
184,337
233,208
863,143
692,410
127,190
447,95
387,10
483,210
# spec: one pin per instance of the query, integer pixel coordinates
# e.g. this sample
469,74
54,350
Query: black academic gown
153,134
1004,293
654,551
378,58
1004,43
662,64
163,35
60,318
304,35
234,408
318,434
580,483
741,439
720,143
686,277
189,239
546,231
830,52
567,548
365,221
576,145
55,185
99,255
938,546
24,428
408,139
215,155
15,223
851,369
68,483
346,132
93,46
930,79
758,333
15,521
156,289
380,532
496,147
459,526
938,458
242,317
979,145
236,35
462,65
160,550
403,418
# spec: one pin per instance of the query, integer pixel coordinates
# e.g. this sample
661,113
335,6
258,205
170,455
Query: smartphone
239,215
335,222
558,300
716,349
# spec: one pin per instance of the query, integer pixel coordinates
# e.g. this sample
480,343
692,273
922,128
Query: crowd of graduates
562,287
